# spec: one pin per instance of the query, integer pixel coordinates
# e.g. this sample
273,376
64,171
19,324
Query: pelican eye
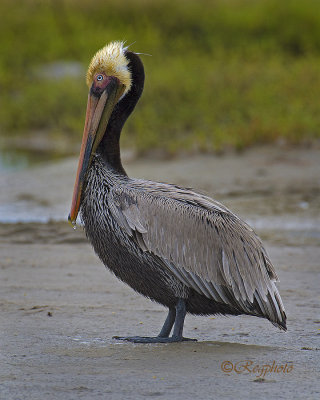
99,77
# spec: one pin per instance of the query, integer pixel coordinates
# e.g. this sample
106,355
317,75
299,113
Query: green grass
224,73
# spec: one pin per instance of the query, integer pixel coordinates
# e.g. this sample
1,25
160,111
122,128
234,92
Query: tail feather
272,308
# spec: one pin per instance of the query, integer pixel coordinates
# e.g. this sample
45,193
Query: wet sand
60,307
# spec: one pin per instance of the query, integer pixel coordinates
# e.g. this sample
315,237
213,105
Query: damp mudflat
59,307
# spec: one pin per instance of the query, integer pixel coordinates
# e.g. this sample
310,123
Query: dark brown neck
109,148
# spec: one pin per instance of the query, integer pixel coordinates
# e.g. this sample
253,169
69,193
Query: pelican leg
168,323
176,316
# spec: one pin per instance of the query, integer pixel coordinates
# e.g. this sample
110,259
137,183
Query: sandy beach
60,307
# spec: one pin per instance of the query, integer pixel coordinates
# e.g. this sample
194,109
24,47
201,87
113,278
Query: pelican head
108,79
110,61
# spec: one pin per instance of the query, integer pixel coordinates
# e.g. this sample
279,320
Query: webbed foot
157,339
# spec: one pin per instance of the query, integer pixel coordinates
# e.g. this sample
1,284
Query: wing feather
201,242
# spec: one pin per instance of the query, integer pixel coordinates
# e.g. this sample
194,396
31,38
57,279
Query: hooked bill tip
72,222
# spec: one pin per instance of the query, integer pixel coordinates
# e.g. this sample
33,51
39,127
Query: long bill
98,113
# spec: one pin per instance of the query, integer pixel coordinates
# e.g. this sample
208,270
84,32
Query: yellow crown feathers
112,61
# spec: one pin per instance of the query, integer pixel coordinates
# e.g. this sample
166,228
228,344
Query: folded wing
202,243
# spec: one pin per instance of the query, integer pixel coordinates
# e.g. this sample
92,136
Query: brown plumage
171,244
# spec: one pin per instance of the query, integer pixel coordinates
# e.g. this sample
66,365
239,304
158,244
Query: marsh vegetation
222,73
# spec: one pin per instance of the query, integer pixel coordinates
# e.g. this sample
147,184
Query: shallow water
60,308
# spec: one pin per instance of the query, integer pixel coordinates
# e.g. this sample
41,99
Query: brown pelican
173,245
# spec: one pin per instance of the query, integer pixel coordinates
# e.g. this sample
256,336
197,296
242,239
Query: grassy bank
222,73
